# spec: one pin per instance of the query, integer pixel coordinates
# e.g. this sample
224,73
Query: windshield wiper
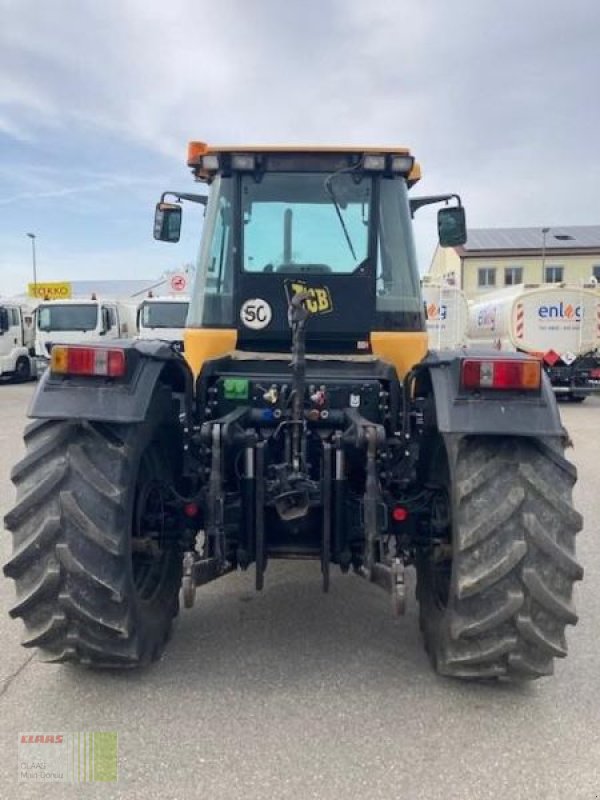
331,193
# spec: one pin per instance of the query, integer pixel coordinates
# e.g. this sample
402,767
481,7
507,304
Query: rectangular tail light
501,374
93,361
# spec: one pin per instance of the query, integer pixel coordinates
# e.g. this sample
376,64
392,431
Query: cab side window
109,317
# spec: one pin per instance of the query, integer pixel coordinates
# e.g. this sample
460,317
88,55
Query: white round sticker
256,313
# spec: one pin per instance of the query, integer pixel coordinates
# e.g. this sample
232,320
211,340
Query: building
124,289
115,288
118,289
493,258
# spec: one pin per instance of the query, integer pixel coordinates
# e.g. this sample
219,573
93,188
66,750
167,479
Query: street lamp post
544,232
32,237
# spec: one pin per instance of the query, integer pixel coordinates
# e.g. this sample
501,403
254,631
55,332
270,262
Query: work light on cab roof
206,160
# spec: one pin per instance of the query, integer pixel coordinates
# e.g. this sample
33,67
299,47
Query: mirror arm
418,202
179,196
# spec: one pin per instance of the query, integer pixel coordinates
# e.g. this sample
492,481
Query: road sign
179,283
49,291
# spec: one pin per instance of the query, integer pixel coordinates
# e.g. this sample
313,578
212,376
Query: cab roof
197,150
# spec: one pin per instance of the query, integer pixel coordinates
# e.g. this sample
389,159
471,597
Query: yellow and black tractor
305,419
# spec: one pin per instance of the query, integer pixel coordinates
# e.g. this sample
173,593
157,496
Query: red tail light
501,374
595,373
399,514
93,361
191,509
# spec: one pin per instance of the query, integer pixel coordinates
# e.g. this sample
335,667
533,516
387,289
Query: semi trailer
557,323
447,313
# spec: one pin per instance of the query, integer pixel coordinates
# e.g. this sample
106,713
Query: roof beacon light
243,162
92,361
506,374
402,164
374,163
195,152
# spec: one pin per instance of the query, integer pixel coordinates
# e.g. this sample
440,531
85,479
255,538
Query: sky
98,99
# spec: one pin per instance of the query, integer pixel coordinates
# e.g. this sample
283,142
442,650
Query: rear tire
86,494
498,608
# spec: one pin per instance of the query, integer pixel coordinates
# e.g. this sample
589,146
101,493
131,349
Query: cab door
15,331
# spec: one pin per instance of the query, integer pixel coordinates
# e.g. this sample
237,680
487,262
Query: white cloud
496,99
82,188
72,264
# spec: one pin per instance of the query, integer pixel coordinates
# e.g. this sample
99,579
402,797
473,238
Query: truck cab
73,321
16,340
163,318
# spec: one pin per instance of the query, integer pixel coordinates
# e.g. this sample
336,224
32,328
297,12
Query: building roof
111,288
575,237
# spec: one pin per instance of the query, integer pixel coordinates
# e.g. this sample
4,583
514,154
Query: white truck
447,315
163,318
17,335
559,323
80,320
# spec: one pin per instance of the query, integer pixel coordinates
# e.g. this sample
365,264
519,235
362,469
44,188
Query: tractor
305,419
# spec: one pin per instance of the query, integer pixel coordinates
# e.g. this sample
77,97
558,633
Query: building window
486,277
554,274
596,272
513,275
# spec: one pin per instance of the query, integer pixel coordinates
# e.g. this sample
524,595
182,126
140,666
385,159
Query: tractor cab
332,226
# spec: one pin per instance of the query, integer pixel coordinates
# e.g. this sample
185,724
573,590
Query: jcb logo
319,297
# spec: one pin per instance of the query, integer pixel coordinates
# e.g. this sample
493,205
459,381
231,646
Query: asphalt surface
293,694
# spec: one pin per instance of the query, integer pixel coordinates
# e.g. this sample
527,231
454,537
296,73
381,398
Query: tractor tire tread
70,568
514,564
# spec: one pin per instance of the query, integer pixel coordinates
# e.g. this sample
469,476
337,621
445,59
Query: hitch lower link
388,573
197,570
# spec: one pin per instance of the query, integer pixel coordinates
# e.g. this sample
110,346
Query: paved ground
296,695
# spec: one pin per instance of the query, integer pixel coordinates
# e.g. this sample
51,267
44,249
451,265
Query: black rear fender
120,400
490,412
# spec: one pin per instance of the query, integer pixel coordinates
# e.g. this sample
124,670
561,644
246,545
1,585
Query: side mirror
167,222
452,226
3,320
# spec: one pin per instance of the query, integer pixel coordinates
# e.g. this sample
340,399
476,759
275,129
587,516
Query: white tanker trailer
447,316
559,323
